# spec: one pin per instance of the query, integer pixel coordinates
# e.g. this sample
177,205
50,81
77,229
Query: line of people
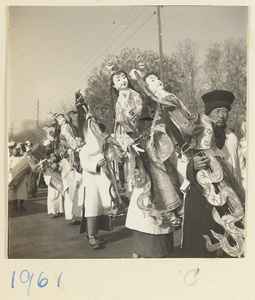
178,170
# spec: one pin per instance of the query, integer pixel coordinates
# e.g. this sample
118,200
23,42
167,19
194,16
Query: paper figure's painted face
154,83
120,81
61,120
219,116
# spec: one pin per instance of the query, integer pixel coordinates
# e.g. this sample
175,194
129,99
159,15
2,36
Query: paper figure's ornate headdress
112,68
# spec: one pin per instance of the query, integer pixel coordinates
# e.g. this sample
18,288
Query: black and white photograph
126,137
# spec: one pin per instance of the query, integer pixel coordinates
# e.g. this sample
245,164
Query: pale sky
52,50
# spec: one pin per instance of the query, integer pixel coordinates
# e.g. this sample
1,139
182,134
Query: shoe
174,220
98,239
93,244
76,222
52,216
121,210
113,211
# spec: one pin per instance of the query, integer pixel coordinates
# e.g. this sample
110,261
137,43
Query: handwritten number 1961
26,277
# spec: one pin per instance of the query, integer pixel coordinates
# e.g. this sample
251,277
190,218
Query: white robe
140,221
21,190
55,203
69,184
97,185
234,157
73,190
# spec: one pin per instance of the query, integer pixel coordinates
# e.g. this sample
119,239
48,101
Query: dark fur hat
217,98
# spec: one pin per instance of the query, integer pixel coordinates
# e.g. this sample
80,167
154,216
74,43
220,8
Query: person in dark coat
198,213
198,220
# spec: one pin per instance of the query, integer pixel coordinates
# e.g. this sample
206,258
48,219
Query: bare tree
213,66
30,132
186,62
235,69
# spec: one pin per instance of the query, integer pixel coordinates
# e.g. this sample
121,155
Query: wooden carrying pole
160,46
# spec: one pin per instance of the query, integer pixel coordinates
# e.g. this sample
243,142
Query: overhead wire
78,83
87,60
103,52
125,29
93,52
135,31
114,41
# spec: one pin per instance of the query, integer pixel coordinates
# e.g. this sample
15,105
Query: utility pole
160,46
38,103
12,131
